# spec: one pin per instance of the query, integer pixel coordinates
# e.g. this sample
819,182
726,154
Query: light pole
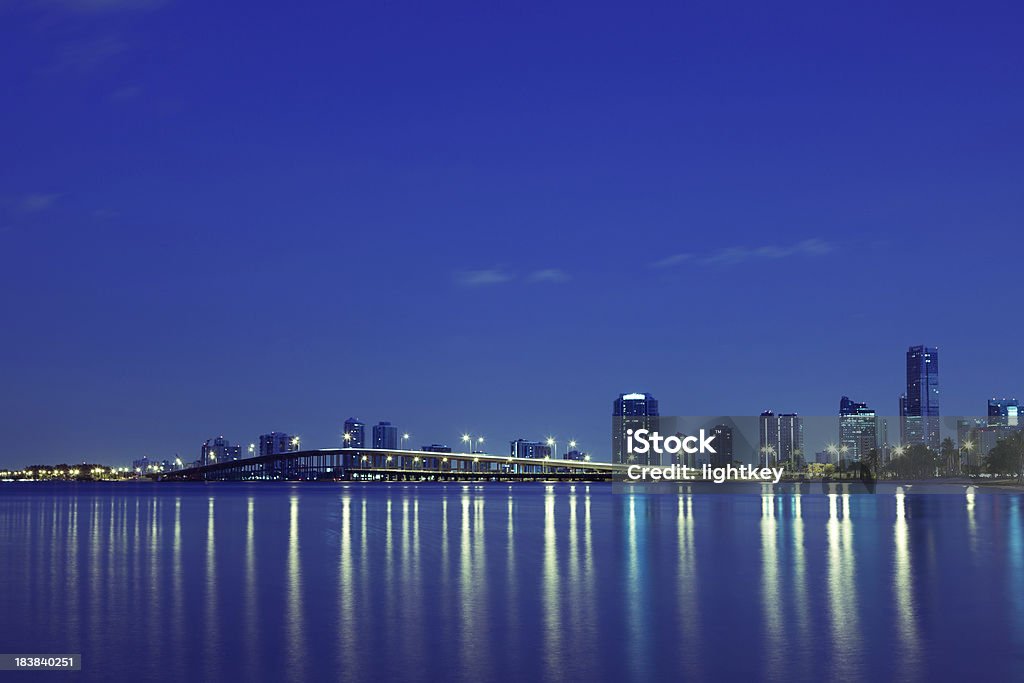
966,446
554,446
833,450
572,446
467,439
480,444
252,450
405,439
295,443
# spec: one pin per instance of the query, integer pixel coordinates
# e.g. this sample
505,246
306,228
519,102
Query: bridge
382,464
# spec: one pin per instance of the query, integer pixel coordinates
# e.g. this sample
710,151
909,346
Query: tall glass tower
354,435
858,429
921,415
782,439
633,411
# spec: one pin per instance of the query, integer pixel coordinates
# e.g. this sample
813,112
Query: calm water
436,582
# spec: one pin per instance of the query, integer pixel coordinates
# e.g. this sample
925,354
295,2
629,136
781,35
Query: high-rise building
971,440
354,435
633,412
277,442
921,415
147,464
521,448
385,435
884,446
218,450
903,420
782,439
1003,412
858,429
723,445
682,457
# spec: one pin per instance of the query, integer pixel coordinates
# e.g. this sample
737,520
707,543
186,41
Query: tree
950,461
918,462
1007,458
871,461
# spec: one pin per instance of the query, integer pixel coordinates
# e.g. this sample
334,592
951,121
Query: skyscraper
219,450
1003,412
385,435
903,421
723,445
858,429
521,448
633,411
354,435
276,442
921,415
782,439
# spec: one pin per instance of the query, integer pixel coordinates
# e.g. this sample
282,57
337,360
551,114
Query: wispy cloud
736,255
548,275
83,36
482,278
498,276
673,260
32,203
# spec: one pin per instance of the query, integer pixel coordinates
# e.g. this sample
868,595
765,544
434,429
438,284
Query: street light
843,450
405,438
252,450
966,446
295,442
554,446
479,444
467,440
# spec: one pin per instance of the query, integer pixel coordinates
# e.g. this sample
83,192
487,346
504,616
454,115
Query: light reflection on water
771,605
497,582
903,589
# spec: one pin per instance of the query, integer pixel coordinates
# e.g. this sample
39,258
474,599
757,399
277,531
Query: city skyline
354,433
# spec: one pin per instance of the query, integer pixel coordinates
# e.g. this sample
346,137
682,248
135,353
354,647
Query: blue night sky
494,217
